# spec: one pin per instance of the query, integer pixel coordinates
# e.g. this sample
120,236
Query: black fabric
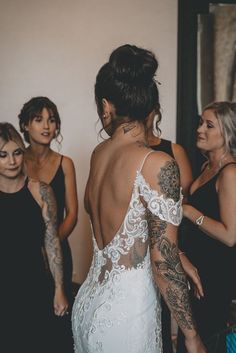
164,146
58,186
63,330
27,309
215,263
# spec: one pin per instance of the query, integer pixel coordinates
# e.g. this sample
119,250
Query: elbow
231,242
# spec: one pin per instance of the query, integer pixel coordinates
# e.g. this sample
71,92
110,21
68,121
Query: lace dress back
117,309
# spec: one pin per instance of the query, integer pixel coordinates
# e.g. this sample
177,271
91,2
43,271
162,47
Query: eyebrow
40,116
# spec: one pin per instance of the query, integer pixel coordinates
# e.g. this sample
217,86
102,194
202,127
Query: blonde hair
9,133
225,112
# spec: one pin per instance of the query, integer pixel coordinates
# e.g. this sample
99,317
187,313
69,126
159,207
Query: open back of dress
117,309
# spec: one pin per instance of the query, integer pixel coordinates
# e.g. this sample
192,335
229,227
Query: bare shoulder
158,159
178,151
67,164
228,173
160,163
162,173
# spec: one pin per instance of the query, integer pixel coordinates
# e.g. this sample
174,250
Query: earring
154,126
106,115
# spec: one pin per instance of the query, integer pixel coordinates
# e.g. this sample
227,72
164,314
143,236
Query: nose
200,128
46,124
12,159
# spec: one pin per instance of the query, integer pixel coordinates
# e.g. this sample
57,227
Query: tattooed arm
52,246
168,271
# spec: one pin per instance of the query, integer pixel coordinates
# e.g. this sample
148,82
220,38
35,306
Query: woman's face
11,160
42,128
209,135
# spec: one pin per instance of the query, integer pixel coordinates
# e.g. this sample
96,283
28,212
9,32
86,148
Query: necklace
219,163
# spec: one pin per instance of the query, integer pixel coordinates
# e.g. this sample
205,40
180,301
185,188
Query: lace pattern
117,308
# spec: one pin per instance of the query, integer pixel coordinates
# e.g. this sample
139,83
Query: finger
197,282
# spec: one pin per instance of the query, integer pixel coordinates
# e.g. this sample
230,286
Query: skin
186,178
180,156
42,163
211,141
12,179
113,169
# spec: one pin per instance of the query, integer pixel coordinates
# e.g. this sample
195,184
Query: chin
200,144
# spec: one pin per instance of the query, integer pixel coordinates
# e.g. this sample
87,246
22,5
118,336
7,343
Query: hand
60,303
195,345
192,273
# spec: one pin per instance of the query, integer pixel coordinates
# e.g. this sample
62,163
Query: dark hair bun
133,65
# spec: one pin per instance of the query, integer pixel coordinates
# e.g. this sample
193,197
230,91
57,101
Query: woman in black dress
28,223
40,123
210,211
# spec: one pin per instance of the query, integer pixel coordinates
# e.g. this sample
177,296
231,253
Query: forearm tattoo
169,266
52,242
171,270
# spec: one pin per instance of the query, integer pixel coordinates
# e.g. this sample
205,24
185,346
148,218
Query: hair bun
133,65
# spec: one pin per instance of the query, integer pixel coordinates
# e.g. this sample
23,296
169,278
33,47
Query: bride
134,202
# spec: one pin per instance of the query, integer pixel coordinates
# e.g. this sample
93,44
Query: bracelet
181,252
199,220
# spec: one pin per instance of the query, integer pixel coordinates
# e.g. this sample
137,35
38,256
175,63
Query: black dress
63,330
165,146
26,302
216,266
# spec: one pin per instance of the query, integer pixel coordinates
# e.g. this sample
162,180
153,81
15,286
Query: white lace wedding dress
117,309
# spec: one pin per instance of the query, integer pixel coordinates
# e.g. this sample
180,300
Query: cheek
20,160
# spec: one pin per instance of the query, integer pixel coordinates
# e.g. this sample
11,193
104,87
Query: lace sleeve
165,208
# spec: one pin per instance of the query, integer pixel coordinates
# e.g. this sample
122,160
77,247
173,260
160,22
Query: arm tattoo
168,179
52,242
170,269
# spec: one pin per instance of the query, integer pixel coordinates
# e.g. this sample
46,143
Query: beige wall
55,48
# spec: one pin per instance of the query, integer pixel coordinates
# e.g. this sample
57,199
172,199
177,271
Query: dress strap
225,166
61,160
144,159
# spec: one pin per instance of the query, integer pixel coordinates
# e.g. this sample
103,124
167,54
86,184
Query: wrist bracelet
199,220
181,252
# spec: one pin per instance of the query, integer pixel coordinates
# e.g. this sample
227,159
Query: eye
3,154
52,119
18,152
209,125
37,118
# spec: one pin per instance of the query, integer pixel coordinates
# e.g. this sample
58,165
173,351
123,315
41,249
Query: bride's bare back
113,170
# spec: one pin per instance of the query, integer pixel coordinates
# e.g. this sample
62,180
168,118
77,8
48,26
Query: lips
200,138
12,169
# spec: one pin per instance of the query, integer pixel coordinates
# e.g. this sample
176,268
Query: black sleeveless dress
62,325
58,186
165,146
27,308
216,266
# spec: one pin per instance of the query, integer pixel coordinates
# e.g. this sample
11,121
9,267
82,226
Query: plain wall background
56,47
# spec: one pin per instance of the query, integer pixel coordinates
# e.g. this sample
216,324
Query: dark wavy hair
127,80
34,107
